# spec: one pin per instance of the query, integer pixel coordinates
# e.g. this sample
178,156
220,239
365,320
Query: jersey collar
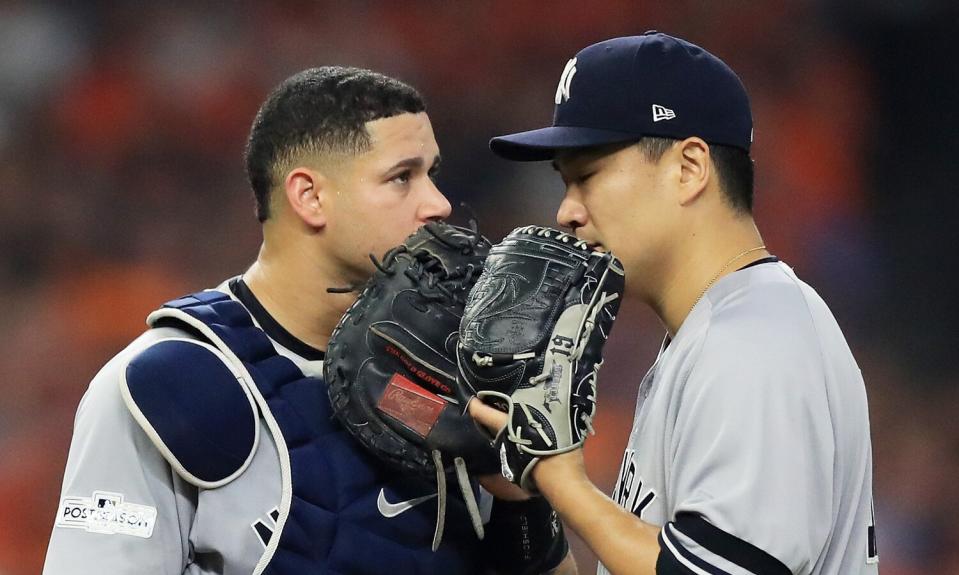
277,332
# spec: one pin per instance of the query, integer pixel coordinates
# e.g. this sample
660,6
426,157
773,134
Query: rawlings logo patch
411,405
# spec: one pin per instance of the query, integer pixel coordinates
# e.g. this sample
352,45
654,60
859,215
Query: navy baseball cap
623,89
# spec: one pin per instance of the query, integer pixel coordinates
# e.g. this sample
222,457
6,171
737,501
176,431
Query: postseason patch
107,513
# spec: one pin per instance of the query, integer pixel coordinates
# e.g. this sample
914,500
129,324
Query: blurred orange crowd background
122,126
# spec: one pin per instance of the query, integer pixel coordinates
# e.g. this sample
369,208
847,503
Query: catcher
209,444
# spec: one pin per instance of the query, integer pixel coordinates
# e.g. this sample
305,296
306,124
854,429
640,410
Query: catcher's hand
531,341
391,368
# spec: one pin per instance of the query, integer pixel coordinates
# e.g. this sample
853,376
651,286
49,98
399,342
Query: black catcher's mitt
531,341
391,364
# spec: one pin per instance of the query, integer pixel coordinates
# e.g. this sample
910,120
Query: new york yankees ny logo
263,529
565,80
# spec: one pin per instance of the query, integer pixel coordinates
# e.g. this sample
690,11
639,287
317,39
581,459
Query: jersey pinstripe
750,442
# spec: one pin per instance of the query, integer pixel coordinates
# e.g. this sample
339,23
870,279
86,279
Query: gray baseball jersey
124,510
178,528
750,444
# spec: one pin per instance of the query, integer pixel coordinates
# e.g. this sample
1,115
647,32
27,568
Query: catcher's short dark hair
734,166
315,111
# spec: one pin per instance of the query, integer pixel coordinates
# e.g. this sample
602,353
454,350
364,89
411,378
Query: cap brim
542,144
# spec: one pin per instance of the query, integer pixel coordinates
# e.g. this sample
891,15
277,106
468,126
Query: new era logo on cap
662,113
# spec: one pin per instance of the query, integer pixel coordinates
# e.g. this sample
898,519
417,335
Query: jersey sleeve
122,509
751,458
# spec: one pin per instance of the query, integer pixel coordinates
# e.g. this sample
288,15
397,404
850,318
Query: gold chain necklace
720,272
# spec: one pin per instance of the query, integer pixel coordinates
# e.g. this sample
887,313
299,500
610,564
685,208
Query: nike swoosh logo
388,509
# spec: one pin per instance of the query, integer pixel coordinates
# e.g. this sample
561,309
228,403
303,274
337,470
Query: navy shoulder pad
195,407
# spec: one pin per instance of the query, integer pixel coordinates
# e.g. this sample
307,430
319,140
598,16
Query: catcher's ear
303,189
695,169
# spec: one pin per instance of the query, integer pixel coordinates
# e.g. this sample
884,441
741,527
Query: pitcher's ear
695,169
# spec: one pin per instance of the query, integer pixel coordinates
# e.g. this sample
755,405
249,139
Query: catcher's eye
403,177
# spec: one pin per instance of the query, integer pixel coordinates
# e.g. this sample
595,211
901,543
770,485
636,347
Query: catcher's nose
435,206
